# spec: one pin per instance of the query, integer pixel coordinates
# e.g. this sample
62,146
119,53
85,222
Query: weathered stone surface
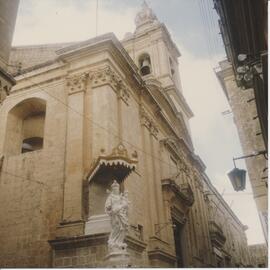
95,102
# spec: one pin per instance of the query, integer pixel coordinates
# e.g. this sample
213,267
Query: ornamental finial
145,15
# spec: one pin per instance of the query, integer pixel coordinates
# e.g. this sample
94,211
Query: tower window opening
145,64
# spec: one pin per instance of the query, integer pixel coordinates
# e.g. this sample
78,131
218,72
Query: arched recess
25,126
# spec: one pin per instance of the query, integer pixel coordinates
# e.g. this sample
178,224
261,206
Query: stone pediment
118,163
182,191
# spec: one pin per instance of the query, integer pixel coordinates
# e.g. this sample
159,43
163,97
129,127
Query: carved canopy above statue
118,164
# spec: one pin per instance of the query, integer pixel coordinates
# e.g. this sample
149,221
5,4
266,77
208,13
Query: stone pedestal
118,259
92,251
98,224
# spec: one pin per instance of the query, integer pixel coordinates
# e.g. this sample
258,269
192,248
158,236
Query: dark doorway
178,230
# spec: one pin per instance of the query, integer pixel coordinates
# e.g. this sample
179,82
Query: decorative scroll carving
124,94
105,76
108,76
148,122
76,83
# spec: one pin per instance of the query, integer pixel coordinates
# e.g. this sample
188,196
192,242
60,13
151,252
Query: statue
116,207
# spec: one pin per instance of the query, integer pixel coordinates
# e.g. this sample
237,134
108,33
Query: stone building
258,255
8,13
244,79
86,113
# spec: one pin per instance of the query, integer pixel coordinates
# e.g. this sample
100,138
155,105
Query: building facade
258,255
86,113
244,79
8,14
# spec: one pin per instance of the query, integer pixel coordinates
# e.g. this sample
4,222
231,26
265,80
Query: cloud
53,21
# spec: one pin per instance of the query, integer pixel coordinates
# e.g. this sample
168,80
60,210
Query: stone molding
182,191
148,122
158,256
92,241
108,76
76,83
97,78
70,229
173,145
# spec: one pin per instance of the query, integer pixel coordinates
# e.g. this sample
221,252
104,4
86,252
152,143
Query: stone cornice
100,43
169,42
220,198
97,78
92,240
198,162
159,254
7,77
182,100
164,34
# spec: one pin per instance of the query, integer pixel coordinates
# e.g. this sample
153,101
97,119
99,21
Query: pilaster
72,208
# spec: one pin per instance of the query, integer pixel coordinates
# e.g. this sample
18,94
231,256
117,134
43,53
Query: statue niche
117,165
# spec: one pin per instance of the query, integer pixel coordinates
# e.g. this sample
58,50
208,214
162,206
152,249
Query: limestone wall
244,110
31,192
93,106
258,255
234,250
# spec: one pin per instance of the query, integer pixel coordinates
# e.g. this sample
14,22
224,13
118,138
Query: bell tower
156,56
152,49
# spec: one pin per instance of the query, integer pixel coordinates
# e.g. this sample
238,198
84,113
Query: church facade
84,114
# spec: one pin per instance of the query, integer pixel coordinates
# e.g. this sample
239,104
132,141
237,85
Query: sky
194,28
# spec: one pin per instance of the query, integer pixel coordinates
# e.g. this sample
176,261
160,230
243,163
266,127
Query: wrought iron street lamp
238,176
238,179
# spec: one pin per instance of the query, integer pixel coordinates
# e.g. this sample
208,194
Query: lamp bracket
251,155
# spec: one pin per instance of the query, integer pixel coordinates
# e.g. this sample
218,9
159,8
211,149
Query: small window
32,144
145,64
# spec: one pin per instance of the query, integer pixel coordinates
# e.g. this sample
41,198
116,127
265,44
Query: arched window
25,126
145,64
